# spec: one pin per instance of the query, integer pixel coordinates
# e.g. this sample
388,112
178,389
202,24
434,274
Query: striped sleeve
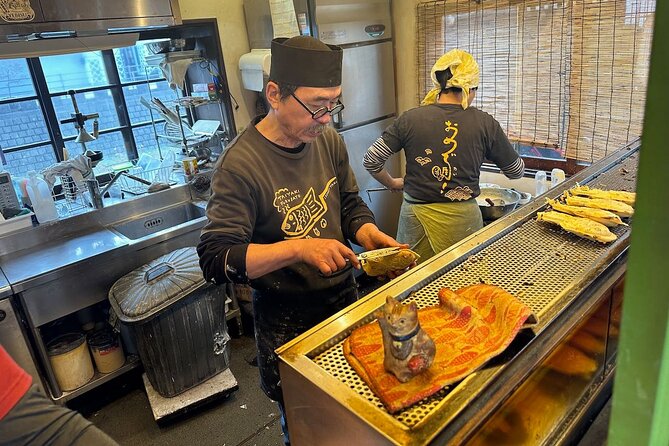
514,170
376,156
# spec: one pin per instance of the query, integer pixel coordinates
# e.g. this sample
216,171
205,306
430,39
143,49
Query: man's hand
370,237
327,255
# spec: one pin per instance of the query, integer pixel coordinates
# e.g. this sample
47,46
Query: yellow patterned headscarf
465,72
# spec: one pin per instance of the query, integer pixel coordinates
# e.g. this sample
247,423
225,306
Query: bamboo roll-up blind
570,75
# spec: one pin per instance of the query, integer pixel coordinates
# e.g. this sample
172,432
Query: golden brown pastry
607,218
583,227
394,261
617,207
618,195
587,343
571,361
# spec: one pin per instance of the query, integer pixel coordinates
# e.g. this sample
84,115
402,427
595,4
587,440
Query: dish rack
73,198
159,175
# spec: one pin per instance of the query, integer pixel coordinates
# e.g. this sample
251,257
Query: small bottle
540,182
557,176
41,199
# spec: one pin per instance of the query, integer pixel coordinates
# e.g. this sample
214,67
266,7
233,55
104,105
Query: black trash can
178,321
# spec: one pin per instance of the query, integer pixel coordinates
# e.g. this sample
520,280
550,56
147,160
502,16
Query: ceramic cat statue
408,350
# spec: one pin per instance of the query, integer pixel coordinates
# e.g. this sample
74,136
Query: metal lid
102,338
65,343
156,285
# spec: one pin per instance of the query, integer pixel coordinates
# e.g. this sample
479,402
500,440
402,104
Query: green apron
429,228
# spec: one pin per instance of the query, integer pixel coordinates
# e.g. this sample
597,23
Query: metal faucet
116,176
94,191
97,194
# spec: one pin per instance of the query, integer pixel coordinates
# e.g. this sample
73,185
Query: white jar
557,177
41,199
540,182
70,361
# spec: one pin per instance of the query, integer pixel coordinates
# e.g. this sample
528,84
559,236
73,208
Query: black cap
305,62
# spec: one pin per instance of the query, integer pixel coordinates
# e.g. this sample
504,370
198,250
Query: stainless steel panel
5,289
313,414
85,28
34,239
368,83
68,10
159,220
13,339
384,204
341,22
78,286
94,17
258,23
21,266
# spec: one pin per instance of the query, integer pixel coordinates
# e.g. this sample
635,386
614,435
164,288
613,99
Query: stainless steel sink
159,220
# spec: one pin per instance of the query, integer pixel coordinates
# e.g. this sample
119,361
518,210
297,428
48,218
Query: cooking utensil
153,186
503,201
374,254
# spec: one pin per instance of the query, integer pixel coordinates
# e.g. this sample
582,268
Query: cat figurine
408,350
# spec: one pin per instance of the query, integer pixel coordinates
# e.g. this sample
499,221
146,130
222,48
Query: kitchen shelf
131,362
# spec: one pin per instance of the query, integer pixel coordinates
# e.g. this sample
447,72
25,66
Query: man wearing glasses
285,205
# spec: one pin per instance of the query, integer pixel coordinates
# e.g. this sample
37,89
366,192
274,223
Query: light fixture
54,43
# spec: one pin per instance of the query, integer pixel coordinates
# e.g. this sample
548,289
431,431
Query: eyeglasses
320,112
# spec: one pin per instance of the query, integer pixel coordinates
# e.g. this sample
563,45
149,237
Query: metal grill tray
539,263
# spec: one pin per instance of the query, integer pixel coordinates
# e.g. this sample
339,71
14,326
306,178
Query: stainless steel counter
21,268
59,268
5,289
35,256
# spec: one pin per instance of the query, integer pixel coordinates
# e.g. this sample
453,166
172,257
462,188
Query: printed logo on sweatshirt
301,219
444,173
284,199
460,193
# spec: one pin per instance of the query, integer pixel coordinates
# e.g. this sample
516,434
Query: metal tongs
377,254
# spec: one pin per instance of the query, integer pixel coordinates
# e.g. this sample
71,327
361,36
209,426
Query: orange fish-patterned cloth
469,327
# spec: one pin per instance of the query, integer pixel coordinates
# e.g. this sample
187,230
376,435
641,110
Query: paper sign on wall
284,21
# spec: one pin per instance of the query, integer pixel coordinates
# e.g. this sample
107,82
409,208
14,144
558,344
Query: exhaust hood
24,20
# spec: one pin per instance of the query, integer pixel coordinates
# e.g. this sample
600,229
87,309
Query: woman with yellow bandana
445,141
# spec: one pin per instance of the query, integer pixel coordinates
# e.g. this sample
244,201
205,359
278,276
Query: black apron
280,318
